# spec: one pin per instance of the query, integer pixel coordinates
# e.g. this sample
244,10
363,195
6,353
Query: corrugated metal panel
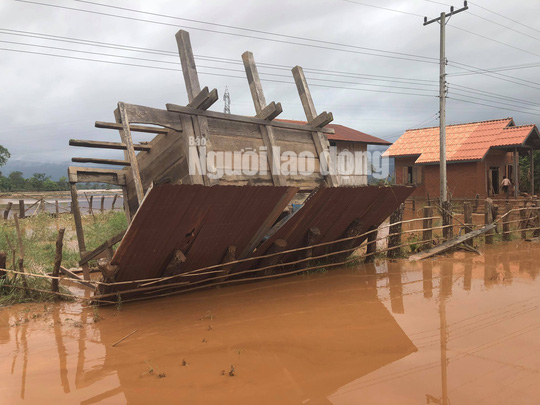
200,221
332,210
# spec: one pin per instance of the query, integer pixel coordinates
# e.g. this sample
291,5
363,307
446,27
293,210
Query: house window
412,175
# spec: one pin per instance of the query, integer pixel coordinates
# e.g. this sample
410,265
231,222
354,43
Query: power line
491,39
505,17
212,67
504,26
382,53
493,106
499,76
499,69
210,58
462,94
495,95
379,7
210,73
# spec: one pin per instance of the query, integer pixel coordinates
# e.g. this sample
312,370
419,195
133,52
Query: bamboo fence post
22,213
371,245
58,259
488,219
427,224
448,230
506,222
523,223
3,264
21,251
6,211
467,218
394,238
57,207
114,201
102,205
536,231
90,203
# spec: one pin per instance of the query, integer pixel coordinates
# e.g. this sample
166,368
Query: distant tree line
15,181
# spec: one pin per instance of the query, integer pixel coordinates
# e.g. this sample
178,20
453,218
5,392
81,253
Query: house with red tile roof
345,138
478,155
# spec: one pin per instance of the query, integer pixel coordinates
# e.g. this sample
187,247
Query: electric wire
353,49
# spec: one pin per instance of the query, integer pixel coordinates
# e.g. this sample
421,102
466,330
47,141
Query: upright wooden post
371,248
516,173
79,227
230,256
354,229
58,259
319,138
413,205
467,219
3,264
21,251
536,231
428,200
427,224
91,205
57,207
523,222
102,205
130,151
394,237
193,88
279,245
506,222
6,211
447,219
488,219
259,102
476,203
114,202
22,212
312,238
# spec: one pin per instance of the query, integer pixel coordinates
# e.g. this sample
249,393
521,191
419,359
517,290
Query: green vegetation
39,245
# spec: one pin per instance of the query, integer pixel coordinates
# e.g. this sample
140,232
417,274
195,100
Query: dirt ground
460,329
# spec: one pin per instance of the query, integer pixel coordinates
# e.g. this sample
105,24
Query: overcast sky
371,62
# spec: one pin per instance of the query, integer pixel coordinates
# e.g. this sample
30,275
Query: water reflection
307,335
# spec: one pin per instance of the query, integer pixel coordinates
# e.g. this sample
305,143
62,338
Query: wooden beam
89,175
189,69
101,248
242,118
204,99
133,128
114,162
78,226
267,131
322,120
76,278
516,173
270,112
193,88
107,145
131,152
319,139
255,86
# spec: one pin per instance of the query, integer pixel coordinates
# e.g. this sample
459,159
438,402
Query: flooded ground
462,329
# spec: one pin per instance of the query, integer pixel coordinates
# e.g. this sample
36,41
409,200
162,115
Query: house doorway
493,180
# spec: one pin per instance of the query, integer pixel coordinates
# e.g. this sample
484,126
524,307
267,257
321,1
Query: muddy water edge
461,329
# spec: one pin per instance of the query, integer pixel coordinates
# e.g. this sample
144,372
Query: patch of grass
12,292
39,234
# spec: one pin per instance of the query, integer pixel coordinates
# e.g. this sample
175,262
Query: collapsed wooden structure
187,213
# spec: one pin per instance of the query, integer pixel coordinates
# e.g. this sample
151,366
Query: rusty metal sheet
332,210
200,221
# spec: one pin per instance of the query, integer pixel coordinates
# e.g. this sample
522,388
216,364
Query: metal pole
442,111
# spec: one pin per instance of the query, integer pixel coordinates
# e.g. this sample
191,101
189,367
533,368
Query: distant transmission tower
227,100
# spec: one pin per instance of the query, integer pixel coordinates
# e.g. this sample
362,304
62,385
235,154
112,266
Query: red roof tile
343,133
463,141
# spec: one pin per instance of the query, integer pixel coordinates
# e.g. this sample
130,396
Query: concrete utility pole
442,95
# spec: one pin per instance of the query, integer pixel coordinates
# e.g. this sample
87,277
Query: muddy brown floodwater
461,329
